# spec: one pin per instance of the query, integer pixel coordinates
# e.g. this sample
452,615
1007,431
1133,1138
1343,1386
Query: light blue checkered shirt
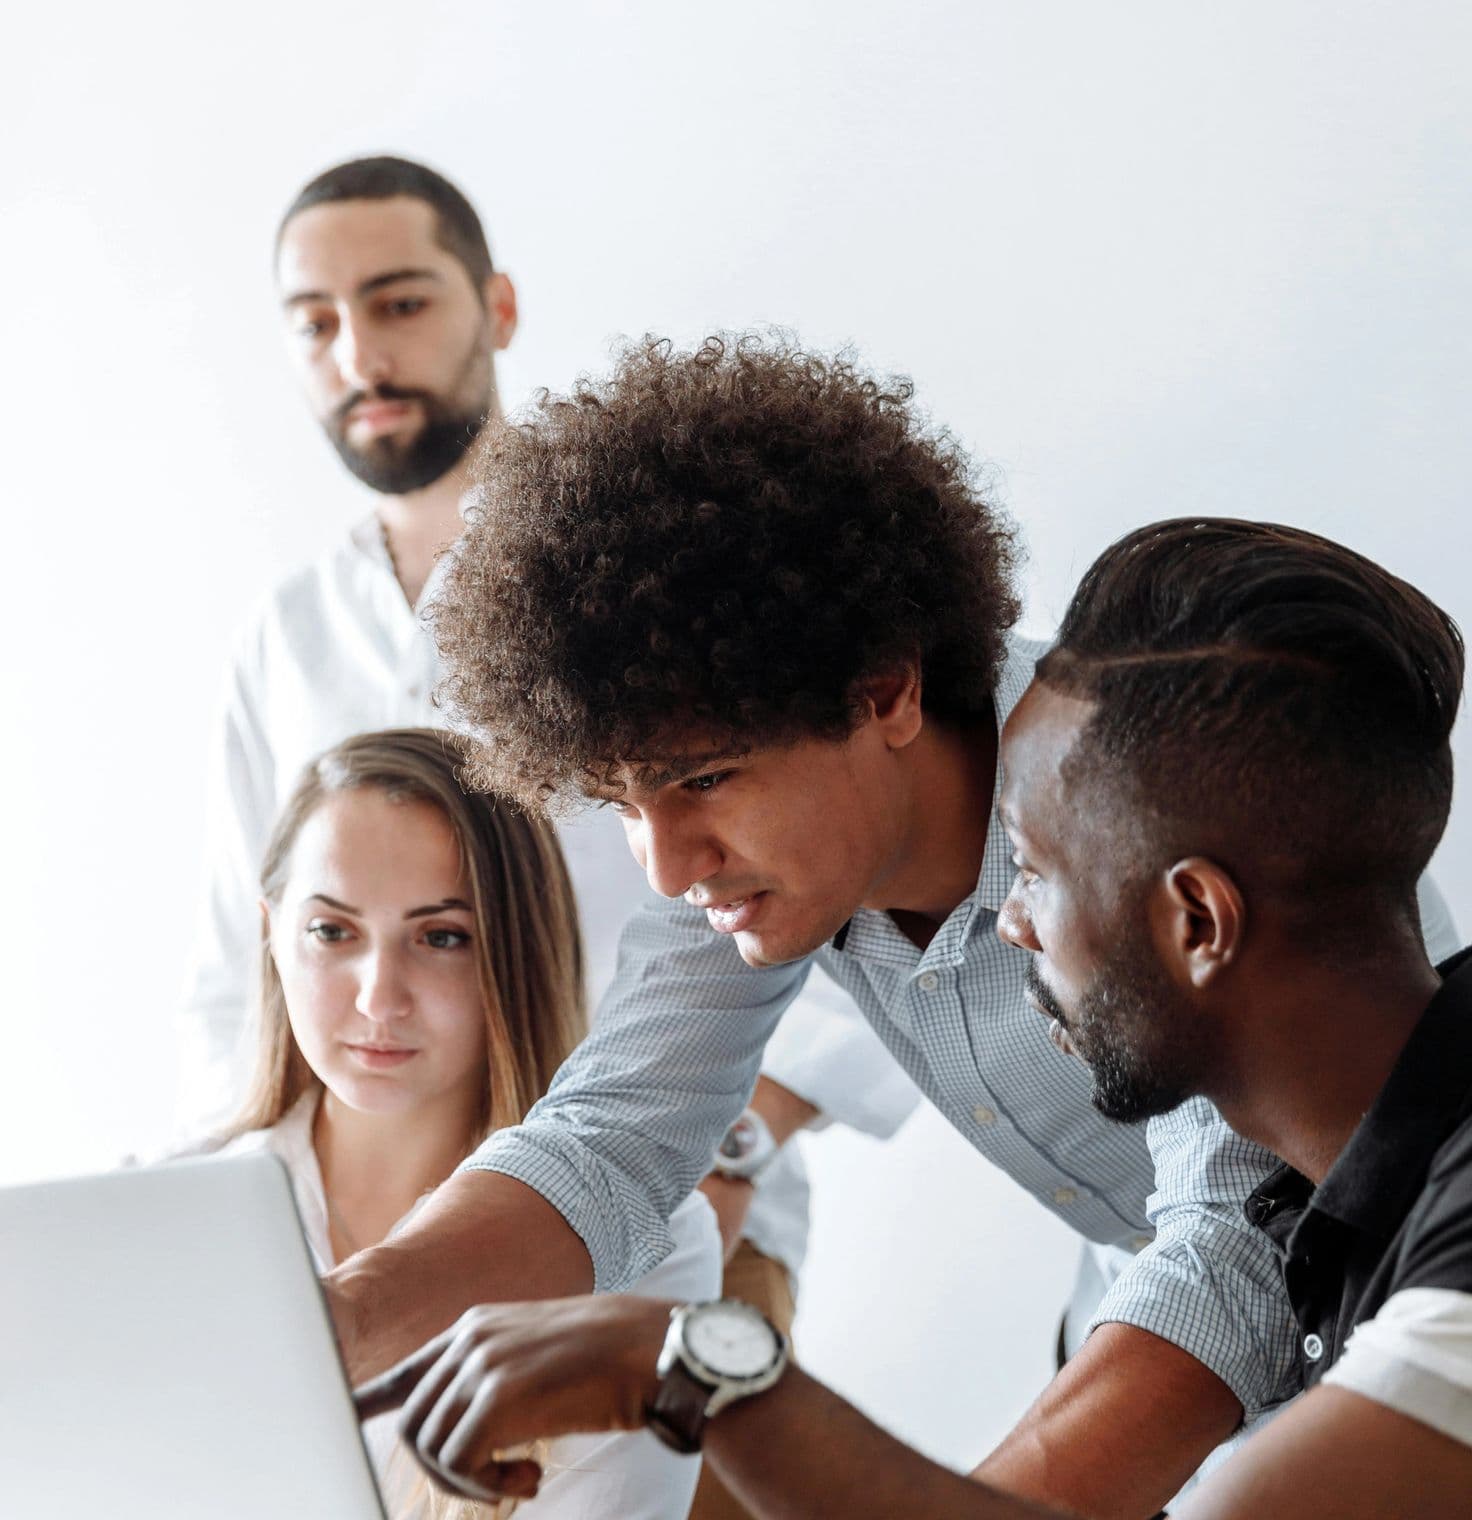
632,1119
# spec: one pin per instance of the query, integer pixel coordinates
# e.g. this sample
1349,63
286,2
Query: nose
675,853
383,989
361,359
1014,923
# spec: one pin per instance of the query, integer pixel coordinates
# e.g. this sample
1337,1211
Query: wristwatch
746,1149
713,1354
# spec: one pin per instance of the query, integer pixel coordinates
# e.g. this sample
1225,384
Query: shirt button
929,981
984,1115
1313,1347
1065,1195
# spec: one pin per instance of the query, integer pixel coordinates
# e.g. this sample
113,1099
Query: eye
1025,877
405,306
326,932
446,939
708,782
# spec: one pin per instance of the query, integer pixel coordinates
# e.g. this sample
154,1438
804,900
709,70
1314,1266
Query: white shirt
1415,1357
336,650
586,1477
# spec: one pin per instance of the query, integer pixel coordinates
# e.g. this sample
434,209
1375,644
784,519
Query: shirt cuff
624,1232
1235,1325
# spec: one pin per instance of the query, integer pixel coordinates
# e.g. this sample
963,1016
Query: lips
378,416
382,1057
734,916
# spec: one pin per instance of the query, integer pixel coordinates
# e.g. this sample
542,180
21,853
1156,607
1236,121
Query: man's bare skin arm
1118,1431
508,1374
483,1238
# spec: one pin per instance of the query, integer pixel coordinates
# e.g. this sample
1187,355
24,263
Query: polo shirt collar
1379,1173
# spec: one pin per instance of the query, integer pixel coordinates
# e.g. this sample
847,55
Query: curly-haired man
742,596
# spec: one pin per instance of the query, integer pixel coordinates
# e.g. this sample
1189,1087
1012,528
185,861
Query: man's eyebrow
652,775
377,282
440,907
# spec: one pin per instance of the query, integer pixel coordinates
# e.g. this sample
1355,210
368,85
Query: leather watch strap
677,1415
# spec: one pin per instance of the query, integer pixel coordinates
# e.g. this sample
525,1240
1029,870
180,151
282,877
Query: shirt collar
997,870
1377,1175
995,880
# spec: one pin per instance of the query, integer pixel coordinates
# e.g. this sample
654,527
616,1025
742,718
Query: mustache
383,392
1041,993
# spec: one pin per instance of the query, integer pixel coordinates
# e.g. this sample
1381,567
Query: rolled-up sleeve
632,1118
1211,1282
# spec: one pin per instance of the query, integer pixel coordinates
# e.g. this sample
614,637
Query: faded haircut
1266,695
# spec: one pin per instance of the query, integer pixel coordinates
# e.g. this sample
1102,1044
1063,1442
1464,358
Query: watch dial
731,1339
739,1141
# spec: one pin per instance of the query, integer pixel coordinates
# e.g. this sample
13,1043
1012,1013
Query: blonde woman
421,982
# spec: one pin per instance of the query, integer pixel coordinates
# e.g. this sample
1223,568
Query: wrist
714,1355
746,1150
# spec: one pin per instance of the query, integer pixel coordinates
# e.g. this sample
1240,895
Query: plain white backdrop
1146,259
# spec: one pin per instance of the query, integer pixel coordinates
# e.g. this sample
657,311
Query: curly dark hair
720,545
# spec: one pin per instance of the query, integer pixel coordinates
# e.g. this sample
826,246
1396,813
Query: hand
731,1198
505,1374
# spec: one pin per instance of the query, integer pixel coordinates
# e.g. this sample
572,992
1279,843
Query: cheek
453,1015
316,1001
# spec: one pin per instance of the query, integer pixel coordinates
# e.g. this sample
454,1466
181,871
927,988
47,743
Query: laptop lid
165,1350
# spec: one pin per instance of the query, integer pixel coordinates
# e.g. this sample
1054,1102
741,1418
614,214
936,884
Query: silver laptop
165,1351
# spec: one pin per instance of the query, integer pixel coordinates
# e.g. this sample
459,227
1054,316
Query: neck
420,526
1310,1064
953,772
375,1166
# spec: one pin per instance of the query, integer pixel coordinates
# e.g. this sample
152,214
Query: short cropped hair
1270,690
716,545
457,227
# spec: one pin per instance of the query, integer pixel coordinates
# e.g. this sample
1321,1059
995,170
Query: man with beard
394,314
742,595
1220,791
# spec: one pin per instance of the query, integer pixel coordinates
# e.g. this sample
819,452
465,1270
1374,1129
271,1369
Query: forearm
800,1452
785,1113
483,1238
1118,1431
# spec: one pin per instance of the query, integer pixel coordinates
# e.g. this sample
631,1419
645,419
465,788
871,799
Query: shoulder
301,595
1436,1250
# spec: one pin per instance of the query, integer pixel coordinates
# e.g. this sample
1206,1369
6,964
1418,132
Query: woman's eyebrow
440,907
332,902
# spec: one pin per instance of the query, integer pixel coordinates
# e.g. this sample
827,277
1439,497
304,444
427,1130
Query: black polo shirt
1395,1210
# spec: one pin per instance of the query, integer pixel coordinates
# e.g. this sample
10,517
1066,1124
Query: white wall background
1147,258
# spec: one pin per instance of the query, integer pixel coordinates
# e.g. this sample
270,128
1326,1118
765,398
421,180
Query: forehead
334,248
1036,740
365,836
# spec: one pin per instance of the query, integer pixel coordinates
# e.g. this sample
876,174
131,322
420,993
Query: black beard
1129,1029
395,469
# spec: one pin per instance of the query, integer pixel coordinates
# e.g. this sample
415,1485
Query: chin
764,950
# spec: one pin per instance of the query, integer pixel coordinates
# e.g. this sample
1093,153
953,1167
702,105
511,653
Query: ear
1206,919
500,300
895,701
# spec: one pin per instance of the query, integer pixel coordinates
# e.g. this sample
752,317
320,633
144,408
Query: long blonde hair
528,950
527,946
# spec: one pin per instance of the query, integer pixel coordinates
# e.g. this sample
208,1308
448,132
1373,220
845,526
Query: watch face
731,1339
740,1140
